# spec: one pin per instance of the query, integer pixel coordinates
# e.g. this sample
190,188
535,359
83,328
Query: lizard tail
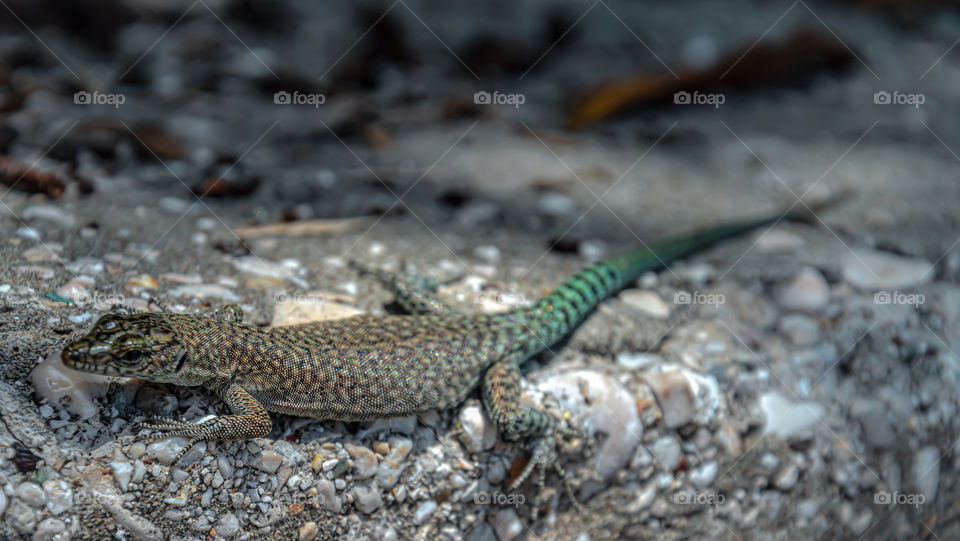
564,308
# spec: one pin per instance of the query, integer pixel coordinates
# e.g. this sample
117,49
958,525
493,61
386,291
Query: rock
925,473
165,451
808,292
41,273
802,330
367,498
388,472
68,389
872,269
788,419
327,495
638,361
48,213
268,461
787,477
424,511
21,517
477,430
667,452
228,525
31,494
122,473
3,502
778,240
703,475
313,306
308,531
878,431
51,529
647,302
204,291
507,524
283,270
590,396
156,401
42,254
683,395
364,461
174,205
556,204
74,291
488,253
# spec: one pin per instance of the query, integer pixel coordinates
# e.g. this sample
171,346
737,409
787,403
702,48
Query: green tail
555,315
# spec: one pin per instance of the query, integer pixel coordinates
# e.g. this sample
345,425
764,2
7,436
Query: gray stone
477,432
424,511
808,292
364,460
31,494
667,452
59,496
872,269
788,419
228,525
802,330
367,498
51,529
268,461
925,473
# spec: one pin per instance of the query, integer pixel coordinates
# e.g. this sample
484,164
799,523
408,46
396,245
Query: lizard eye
109,325
132,356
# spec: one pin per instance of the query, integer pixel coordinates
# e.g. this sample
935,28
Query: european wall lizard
368,367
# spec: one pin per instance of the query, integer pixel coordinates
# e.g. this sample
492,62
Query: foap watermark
98,98
699,297
498,98
698,98
883,97
697,497
498,498
899,297
299,98
882,497
299,298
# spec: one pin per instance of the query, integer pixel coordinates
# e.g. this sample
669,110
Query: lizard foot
543,456
161,429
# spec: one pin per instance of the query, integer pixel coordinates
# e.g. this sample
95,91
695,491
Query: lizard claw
543,456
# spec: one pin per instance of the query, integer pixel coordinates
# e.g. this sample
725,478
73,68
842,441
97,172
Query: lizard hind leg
413,292
501,397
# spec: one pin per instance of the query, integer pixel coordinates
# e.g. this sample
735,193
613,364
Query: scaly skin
367,367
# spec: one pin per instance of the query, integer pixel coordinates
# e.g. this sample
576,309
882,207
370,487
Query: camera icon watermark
699,297
498,498
700,498
683,97
883,97
98,98
899,297
483,97
299,98
882,497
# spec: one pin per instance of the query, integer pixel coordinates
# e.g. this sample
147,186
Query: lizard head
136,345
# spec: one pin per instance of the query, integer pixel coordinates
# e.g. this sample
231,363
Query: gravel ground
800,382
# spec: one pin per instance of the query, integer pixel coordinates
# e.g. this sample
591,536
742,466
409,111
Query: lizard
368,367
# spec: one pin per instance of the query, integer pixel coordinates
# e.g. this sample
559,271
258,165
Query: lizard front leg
249,420
501,397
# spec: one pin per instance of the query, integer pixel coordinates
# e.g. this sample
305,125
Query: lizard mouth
79,356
